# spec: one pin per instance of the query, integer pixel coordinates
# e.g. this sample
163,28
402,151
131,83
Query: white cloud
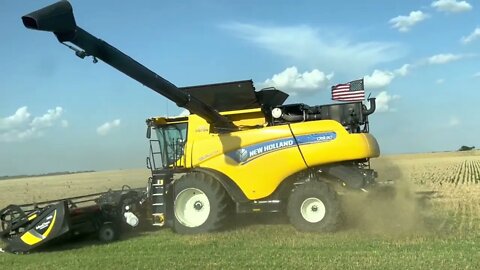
378,79
473,36
451,6
444,58
21,126
48,119
107,127
404,23
313,47
403,71
384,100
19,118
382,78
64,123
294,82
440,81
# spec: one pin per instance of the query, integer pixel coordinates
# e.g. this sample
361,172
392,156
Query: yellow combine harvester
240,150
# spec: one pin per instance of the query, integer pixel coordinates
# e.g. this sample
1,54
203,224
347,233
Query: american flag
352,91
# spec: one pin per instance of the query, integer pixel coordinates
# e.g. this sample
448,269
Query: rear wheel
201,204
314,207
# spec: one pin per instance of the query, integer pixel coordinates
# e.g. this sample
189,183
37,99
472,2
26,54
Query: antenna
166,101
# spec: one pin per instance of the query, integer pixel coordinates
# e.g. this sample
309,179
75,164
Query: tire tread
219,200
328,196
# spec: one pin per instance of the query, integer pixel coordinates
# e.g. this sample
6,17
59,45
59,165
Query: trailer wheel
107,232
201,204
314,207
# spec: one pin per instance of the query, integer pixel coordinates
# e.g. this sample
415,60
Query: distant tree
466,148
5,177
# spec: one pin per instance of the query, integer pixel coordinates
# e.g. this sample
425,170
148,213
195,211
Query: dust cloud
393,209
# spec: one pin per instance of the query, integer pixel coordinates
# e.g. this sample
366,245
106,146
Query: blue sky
58,112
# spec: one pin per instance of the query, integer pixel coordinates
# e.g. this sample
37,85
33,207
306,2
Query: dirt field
454,176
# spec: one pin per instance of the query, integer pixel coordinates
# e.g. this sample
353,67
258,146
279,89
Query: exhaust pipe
58,18
372,107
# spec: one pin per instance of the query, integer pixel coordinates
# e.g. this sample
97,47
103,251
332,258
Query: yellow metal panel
261,175
239,112
30,239
258,177
161,121
245,118
47,232
343,147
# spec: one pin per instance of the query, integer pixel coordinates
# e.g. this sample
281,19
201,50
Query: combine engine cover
353,115
23,232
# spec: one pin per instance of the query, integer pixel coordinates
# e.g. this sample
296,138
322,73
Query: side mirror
149,131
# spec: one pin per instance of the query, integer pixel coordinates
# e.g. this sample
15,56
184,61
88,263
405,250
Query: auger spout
59,19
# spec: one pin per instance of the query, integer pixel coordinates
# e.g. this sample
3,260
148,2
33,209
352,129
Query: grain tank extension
240,150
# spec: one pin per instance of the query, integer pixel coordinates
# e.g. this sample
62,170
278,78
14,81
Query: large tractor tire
314,207
201,204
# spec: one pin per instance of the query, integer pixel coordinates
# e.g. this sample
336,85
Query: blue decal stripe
316,138
244,155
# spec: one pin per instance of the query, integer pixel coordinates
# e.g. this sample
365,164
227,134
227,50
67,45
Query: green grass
264,247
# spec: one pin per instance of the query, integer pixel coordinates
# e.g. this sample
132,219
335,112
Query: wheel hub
198,205
192,207
313,210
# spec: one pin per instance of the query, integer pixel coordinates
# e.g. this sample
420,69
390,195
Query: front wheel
314,207
107,232
201,204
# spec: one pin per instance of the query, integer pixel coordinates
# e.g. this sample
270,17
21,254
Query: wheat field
454,179
44,188
453,176
388,234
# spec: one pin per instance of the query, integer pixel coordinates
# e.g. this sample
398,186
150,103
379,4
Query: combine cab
240,150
